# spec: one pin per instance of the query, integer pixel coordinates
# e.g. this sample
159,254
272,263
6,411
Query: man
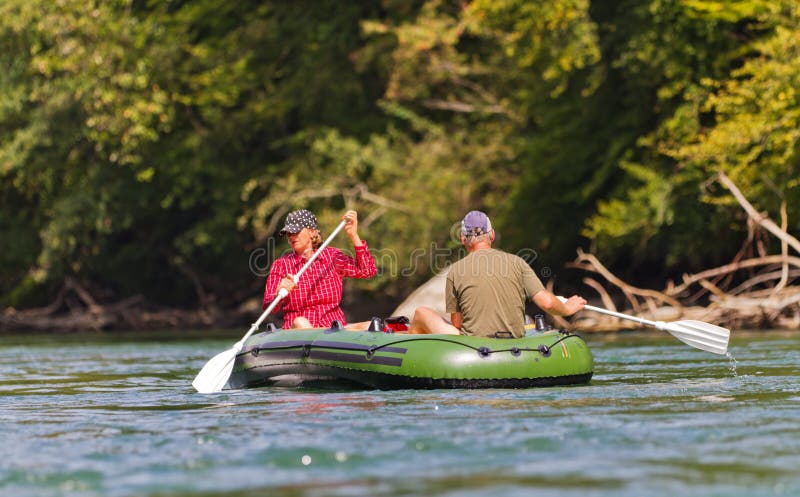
486,291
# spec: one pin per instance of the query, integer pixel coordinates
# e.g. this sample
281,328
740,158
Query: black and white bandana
297,220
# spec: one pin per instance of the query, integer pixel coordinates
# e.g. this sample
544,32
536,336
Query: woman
313,302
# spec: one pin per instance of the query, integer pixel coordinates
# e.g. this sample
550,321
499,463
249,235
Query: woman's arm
351,228
363,266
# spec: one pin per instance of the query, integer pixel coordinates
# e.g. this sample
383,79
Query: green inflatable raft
378,359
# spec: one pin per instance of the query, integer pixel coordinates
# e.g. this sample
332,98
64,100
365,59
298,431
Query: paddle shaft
621,316
283,293
658,324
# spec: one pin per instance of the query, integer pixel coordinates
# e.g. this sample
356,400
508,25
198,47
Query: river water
115,416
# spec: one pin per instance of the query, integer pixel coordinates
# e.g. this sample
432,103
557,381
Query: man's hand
574,304
552,304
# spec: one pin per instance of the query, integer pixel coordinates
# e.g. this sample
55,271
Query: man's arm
455,319
550,304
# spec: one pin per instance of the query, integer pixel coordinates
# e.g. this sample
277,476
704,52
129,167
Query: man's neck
478,246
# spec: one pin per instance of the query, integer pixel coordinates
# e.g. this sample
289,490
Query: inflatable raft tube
396,360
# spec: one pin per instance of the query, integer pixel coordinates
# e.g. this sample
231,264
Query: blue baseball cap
475,223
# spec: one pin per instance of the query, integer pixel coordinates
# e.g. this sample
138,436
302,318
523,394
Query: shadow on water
478,483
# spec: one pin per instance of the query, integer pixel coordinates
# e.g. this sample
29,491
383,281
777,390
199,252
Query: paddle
214,375
703,336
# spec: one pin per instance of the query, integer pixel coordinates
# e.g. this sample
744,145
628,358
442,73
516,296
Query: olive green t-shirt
489,288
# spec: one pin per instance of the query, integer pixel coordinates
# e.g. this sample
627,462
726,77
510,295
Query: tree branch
596,266
761,219
734,266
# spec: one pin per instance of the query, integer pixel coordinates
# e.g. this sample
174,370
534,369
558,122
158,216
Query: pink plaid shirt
319,290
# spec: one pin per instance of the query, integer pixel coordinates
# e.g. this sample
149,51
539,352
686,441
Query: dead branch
373,216
186,269
689,280
40,311
363,192
608,303
712,288
761,219
83,295
463,107
360,190
284,206
596,266
784,249
763,278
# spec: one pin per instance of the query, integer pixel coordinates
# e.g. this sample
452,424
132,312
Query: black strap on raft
483,351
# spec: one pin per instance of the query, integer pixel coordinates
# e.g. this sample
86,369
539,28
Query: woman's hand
287,283
351,228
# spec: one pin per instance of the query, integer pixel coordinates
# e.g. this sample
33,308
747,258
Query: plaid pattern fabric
319,290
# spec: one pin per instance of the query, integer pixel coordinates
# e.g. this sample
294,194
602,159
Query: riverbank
76,310
779,311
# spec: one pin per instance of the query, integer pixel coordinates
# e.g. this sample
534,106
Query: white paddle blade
698,334
214,375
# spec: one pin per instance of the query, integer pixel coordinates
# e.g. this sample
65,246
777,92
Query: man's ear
492,237
463,239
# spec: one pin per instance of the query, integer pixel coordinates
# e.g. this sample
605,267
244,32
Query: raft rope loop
483,351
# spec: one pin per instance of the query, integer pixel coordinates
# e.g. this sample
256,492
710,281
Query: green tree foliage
732,107
131,129
149,147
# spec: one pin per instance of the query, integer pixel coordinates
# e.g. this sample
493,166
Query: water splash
733,362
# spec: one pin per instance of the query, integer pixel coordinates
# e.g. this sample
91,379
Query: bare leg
427,320
301,322
360,326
